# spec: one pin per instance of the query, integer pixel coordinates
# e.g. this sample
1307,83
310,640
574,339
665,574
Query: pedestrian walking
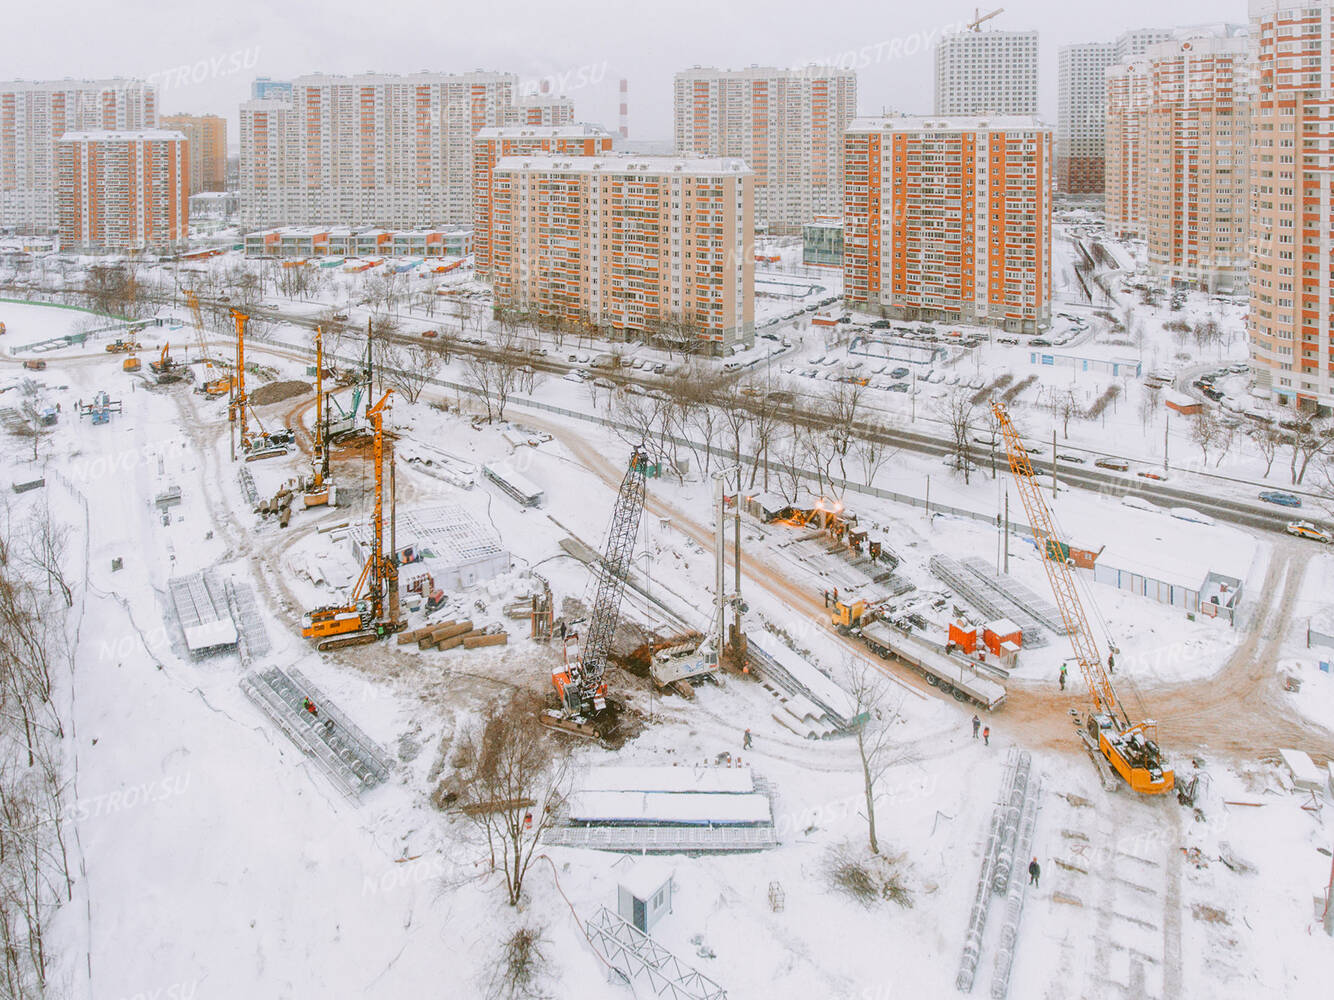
977,724
745,740
1034,873
1111,663
986,736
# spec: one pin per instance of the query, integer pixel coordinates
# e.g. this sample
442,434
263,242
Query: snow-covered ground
216,860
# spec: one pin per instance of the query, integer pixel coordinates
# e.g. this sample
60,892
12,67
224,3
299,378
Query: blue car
1282,499
899,373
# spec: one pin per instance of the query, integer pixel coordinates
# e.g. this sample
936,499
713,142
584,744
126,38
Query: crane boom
585,685
1131,748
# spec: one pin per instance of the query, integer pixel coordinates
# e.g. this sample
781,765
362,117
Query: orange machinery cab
324,622
1133,753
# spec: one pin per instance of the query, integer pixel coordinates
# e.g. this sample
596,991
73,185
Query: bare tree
1064,404
409,368
875,716
1148,403
957,411
1206,431
841,411
1266,439
516,779
1307,438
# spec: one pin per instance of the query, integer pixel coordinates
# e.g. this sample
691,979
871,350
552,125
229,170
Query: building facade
538,110
34,115
384,150
208,149
123,192
263,88
1081,114
658,247
950,220
493,143
787,124
1290,322
1180,116
987,73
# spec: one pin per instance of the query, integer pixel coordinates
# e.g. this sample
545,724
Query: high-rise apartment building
393,151
123,192
263,88
949,219
1291,322
493,143
1177,152
987,73
541,109
656,246
34,115
1081,109
786,123
208,149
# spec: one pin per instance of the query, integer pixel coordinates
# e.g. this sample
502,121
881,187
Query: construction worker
309,706
986,735
1034,872
1111,663
1062,676
977,724
745,740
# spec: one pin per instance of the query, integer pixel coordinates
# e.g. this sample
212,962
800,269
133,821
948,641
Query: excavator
370,614
580,683
1130,747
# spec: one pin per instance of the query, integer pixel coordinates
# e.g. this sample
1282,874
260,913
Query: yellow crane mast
240,402
214,383
1131,748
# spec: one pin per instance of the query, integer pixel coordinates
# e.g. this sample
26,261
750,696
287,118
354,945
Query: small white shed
644,894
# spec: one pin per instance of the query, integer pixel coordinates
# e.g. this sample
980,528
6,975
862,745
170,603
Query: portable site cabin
644,894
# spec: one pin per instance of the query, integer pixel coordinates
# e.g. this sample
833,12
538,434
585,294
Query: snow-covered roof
668,807
625,164
653,778
576,130
210,634
948,123
646,877
1002,626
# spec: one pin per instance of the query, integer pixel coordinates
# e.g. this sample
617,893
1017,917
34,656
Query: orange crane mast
1131,748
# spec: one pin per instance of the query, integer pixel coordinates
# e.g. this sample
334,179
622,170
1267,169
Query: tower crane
364,619
263,444
319,491
979,18
1131,748
581,684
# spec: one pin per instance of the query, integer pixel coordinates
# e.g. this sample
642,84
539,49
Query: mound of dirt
276,392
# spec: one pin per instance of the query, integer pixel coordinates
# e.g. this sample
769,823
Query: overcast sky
590,44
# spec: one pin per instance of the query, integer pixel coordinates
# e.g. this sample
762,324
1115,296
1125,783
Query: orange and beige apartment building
208,149
949,219
491,144
1178,151
787,124
1291,323
123,192
34,115
628,244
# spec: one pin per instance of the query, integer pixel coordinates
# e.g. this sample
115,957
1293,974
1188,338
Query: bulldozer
130,364
119,346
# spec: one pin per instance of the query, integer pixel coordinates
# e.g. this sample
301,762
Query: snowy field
215,860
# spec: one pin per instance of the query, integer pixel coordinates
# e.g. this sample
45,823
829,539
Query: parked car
1188,514
1305,529
604,383
1115,464
1073,459
1160,477
899,373
34,364
880,324
428,334
1281,498
574,376
1039,342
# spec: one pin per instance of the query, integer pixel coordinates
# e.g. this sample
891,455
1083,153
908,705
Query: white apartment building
1291,319
987,73
33,115
786,123
377,149
1081,108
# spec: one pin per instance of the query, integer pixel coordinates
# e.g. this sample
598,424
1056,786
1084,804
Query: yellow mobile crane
1131,748
363,620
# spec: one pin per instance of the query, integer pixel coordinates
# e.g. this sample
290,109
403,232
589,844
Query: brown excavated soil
276,392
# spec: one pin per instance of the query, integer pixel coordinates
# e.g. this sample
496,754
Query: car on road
1073,459
1160,477
1281,498
1115,464
1305,529
1039,342
428,334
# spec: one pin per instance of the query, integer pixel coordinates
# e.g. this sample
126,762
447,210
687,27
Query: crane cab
844,617
1133,753
324,622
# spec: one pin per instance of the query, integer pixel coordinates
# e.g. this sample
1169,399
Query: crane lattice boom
615,570
1058,569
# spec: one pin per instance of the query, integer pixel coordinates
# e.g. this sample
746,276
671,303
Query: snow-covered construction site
354,659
